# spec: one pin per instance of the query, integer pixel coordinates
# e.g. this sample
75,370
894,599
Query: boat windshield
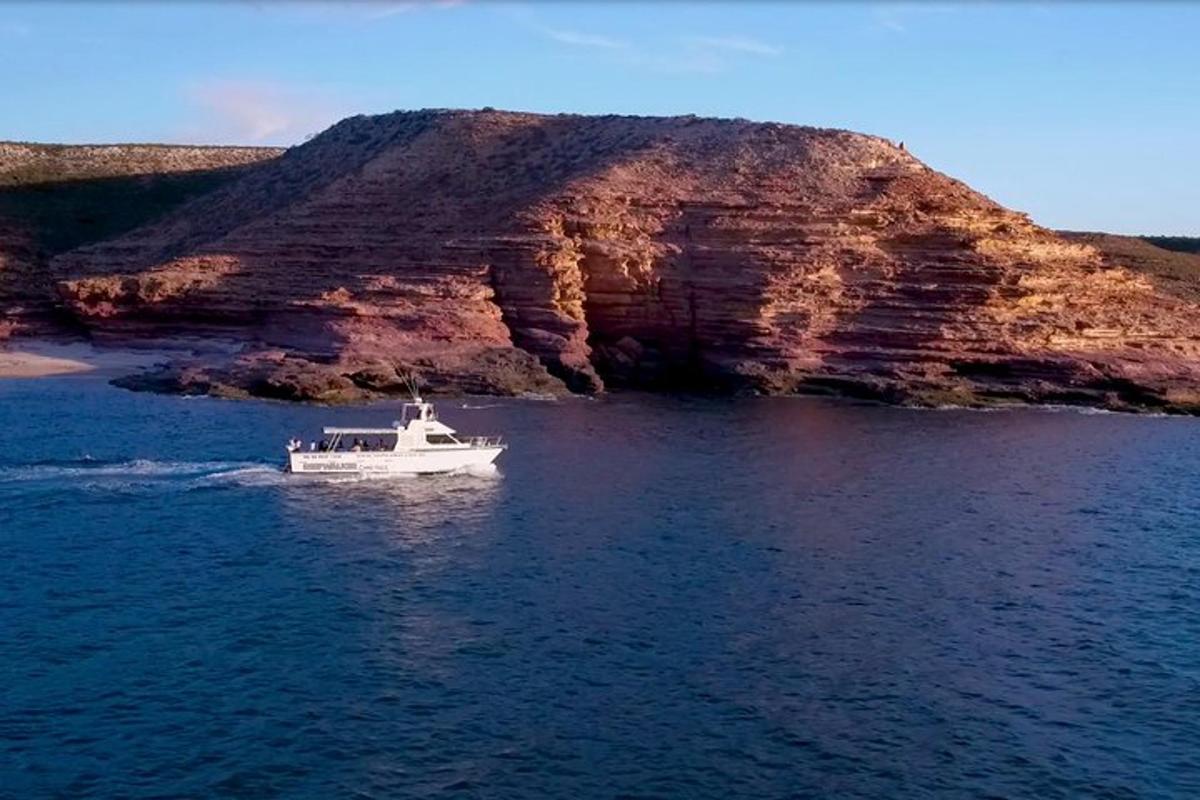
345,442
441,438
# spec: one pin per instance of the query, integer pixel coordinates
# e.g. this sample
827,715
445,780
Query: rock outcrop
494,251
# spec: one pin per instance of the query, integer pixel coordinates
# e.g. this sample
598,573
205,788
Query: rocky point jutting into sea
505,252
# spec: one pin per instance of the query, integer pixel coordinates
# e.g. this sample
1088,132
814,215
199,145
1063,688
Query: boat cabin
417,429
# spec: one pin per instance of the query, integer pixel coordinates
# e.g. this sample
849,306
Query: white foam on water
479,471
91,470
1046,408
97,475
1091,411
252,475
150,475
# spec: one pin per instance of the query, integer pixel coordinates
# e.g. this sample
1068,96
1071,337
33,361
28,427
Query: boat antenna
414,388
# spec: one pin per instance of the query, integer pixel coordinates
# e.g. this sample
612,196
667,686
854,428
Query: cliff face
57,197
503,252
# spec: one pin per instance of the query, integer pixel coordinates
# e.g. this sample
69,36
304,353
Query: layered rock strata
503,252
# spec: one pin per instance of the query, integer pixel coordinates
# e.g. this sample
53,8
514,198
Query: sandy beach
35,358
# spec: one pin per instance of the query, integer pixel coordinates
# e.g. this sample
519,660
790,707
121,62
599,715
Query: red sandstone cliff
490,251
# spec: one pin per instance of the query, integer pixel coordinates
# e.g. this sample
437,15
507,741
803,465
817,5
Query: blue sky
1085,115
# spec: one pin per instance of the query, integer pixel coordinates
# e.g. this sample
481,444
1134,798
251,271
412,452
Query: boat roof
430,426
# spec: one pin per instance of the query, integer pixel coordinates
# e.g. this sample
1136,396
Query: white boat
415,444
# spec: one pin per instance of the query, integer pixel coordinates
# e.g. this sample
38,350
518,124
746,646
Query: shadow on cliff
63,215
43,219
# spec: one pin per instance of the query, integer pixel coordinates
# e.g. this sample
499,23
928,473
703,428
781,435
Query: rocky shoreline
175,368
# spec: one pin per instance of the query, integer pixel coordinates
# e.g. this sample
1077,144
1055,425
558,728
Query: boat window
440,438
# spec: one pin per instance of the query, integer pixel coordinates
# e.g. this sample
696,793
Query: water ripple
651,597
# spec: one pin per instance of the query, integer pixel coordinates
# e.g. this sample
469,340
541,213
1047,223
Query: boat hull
400,462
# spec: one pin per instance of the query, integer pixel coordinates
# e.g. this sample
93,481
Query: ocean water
651,597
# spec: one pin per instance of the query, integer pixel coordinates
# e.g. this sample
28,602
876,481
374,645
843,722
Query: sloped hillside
494,251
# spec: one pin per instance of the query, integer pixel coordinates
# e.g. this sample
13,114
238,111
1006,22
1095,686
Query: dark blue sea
652,597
